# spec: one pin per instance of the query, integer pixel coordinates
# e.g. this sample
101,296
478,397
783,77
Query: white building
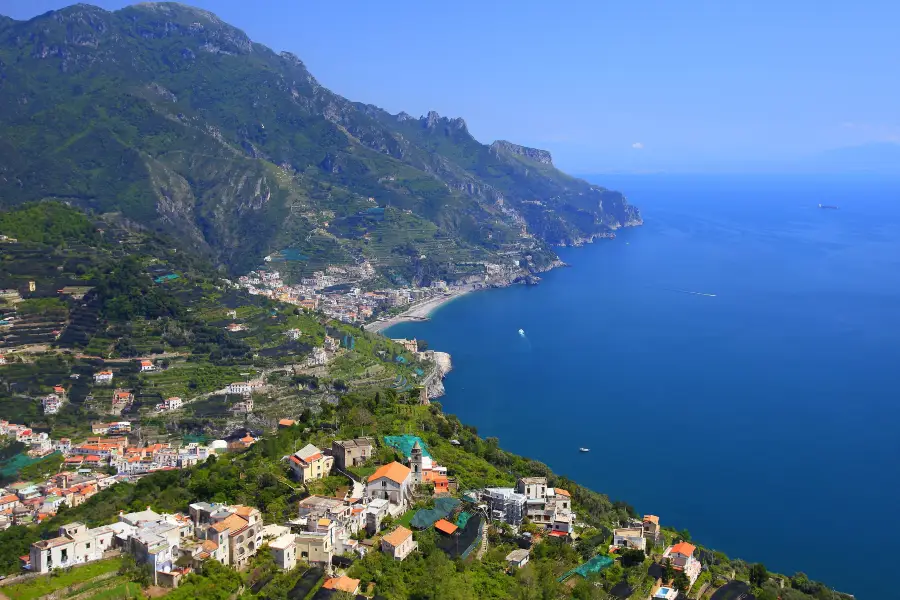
399,543
682,557
284,551
391,482
75,545
239,387
103,377
630,537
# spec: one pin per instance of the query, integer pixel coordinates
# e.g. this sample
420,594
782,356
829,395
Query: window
88,546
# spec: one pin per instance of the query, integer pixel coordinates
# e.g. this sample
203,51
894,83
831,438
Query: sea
733,366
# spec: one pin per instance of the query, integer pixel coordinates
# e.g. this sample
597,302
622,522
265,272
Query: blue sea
764,417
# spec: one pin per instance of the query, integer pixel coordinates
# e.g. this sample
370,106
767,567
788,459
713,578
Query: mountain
179,122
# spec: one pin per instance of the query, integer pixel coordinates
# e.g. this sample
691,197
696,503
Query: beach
422,310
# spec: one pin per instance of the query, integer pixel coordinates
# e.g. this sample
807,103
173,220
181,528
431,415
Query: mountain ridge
180,122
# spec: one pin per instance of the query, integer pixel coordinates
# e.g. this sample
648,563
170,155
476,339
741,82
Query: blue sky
605,86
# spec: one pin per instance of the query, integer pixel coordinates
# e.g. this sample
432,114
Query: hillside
177,121
106,295
257,478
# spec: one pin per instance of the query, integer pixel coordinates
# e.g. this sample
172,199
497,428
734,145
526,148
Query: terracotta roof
684,548
393,471
9,498
286,422
295,460
651,519
562,492
244,511
558,533
209,545
247,439
232,522
397,536
313,457
445,526
342,583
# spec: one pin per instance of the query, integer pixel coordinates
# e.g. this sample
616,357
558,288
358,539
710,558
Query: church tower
415,462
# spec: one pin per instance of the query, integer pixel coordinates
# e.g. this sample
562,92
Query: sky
605,86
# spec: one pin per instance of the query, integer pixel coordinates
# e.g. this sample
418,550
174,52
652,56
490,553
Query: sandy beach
420,311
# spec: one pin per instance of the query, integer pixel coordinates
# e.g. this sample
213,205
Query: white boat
584,449
521,332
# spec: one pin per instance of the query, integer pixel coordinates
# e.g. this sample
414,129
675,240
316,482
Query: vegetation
41,586
179,138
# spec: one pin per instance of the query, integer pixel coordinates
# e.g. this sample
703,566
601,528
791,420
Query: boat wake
694,293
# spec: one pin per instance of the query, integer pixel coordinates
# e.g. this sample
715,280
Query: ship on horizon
827,206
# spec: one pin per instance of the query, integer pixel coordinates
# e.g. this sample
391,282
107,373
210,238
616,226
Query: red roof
683,548
445,526
295,460
559,533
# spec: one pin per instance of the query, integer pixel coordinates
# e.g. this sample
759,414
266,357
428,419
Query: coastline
421,311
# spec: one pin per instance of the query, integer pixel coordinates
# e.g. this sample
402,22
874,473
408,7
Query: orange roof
445,526
313,457
244,511
342,583
92,458
286,422
209,545
122,394
393,471
247,439
58,389
397,536
146,363
562,492
295,460
9,498
232,522
651,519
684,548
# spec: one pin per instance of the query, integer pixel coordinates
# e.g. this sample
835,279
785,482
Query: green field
31,590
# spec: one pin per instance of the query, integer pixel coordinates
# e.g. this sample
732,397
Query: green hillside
177,121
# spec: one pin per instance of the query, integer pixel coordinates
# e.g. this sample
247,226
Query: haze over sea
764,419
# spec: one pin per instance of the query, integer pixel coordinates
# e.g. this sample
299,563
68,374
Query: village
377,513
336,292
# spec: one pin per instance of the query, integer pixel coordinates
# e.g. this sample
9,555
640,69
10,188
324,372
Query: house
235,327
532,487
8,502
75,545
173,403
310,463
630,537
239,387
440,482
399,543
121,400
318,358
651,529
331,344
390,482
111,428
239,528
517,558
682,557
315,547
563,524
342,584
411,346
352,453
373,514
285,423
2,360
103,377
146,365
505,504
284,551
51,404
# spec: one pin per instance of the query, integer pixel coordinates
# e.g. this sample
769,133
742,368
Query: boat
828,206
522,332
584,449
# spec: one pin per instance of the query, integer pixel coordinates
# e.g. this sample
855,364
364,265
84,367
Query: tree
360,417
632,556
681,582
758,574
668,570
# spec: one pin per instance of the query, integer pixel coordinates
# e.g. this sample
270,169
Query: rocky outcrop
541,156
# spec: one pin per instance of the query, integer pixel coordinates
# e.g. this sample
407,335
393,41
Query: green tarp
595,565
404,444
426,517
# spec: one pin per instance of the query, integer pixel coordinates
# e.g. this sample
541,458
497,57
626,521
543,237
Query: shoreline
421,311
